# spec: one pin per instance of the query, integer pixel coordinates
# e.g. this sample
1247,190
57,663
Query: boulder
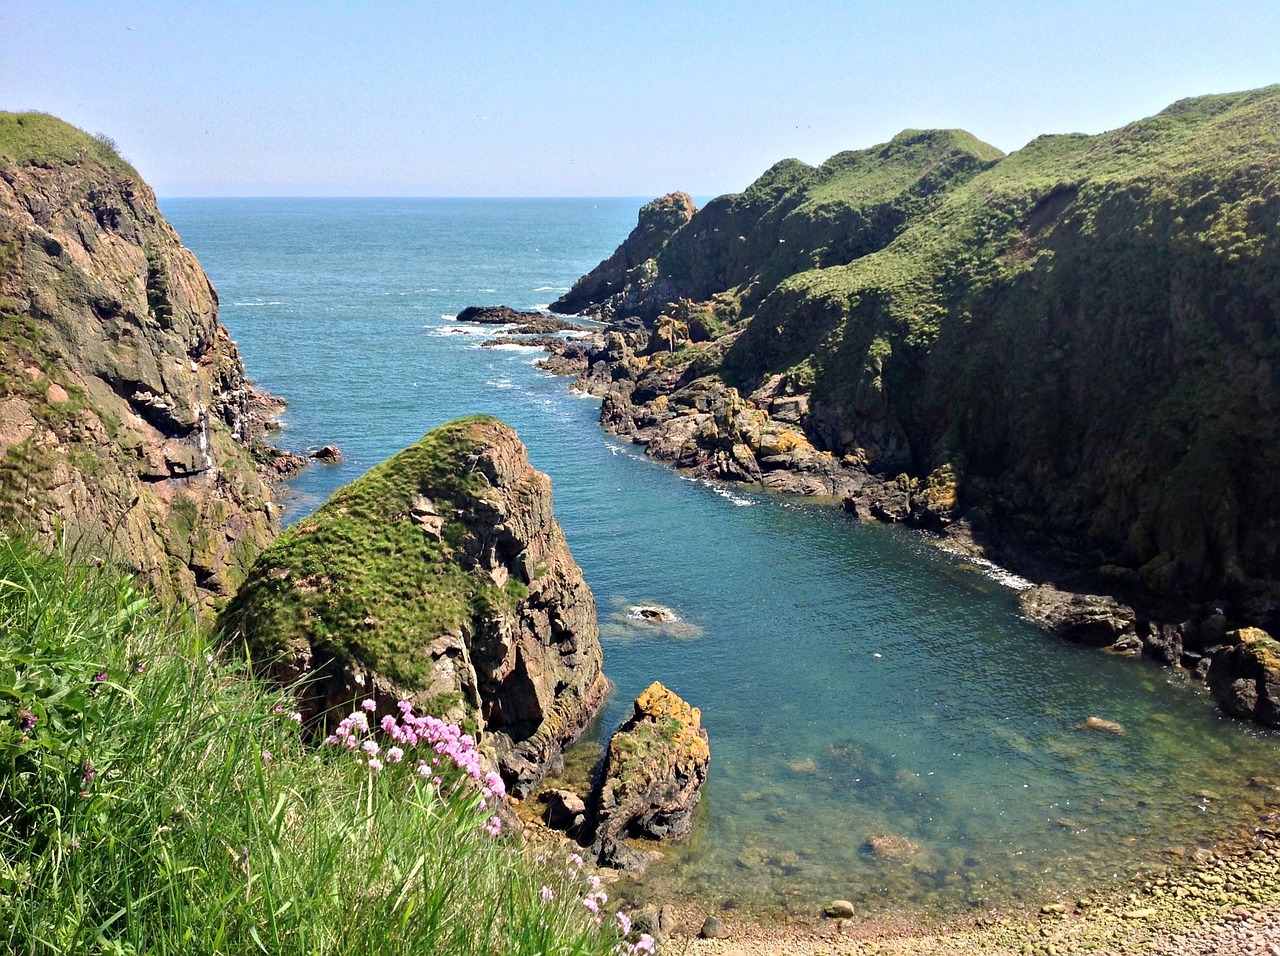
1244,676
653,773
1094,619
565,809
328,454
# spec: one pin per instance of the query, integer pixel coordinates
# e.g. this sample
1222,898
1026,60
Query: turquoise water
855,681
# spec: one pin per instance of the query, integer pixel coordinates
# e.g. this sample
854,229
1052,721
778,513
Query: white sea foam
448,318
255,305
1000,575
500,383
728,495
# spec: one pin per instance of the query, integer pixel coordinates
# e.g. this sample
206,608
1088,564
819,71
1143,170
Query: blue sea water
856,681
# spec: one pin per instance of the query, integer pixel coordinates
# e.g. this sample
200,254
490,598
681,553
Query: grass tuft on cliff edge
42,139
155,799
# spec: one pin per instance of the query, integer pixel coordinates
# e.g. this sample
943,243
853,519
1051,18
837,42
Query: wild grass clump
155,799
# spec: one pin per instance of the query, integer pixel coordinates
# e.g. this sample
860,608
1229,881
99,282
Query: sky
604,98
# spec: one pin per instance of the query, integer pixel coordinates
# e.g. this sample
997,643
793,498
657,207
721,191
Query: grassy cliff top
360,575
43,139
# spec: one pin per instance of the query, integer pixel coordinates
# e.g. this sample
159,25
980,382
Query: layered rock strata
441,577
126,422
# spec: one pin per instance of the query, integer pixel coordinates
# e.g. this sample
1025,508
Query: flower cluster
449,747
593,902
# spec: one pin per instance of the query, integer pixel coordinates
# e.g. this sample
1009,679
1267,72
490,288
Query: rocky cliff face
125,415
442,577
1070,350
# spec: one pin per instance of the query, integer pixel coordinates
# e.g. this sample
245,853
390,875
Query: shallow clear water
855,681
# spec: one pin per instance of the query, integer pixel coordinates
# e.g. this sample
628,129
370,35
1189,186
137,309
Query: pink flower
493,826
369,705
266,756
624,922
590,903
547,894
394,755
296,717
374,765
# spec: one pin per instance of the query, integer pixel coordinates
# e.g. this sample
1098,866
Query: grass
155,799
42,139
359,562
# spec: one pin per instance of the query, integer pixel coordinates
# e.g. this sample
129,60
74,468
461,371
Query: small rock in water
652,612
329,454
838,909
1053,909
887,846
1103,726
714,928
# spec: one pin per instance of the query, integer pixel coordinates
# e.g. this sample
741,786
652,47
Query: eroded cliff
441,577
125,416
1071,349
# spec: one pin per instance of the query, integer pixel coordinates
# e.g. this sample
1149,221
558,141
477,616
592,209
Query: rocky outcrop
1094,619
1245,676
126,420
441,577
652,777
631,273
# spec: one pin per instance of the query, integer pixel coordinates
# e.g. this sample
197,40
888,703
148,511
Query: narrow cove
884,728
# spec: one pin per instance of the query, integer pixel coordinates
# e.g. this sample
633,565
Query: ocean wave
500,383
448,318
552,288
255,305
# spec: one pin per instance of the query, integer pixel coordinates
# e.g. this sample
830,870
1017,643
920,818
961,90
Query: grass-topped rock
441,577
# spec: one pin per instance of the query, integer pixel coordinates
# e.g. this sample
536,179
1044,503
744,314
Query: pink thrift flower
591,904
547,894
575,860
394,755
369,705
375,765
624,922
493,826
266,756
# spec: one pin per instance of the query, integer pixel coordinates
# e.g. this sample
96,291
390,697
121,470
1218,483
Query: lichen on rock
652,777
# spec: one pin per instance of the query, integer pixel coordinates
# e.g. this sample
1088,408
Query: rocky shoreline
706,429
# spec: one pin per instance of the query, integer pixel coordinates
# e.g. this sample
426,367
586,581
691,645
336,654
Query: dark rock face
441,577
629,270
1245,676
1093,619
126,420
653,774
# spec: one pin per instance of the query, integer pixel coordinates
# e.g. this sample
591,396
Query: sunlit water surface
855,681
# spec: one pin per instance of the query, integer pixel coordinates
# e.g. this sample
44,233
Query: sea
884,727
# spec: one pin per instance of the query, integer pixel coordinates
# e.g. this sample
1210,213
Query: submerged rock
653,774
442,577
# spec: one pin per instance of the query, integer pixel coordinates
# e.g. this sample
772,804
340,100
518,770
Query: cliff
125,416
1071,349
441,577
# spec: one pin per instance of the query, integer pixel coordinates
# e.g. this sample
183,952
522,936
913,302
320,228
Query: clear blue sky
594,98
